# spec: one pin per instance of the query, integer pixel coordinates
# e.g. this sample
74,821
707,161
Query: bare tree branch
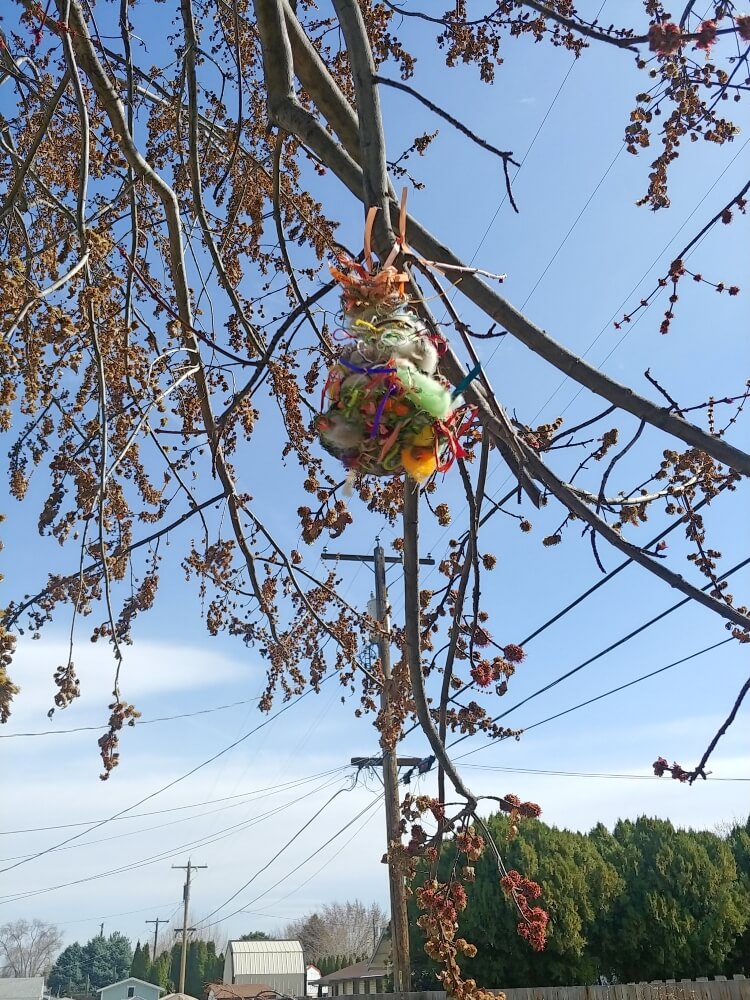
505,155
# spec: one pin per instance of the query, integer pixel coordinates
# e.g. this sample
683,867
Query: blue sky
574,289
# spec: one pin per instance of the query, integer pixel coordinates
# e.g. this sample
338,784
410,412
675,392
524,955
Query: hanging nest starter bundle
385,410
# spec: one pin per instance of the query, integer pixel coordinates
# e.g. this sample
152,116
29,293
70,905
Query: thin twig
505,155
700,770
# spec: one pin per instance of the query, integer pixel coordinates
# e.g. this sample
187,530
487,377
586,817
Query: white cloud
149,669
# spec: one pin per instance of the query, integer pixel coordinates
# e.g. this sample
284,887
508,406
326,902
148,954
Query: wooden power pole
159,920
189,868
391,763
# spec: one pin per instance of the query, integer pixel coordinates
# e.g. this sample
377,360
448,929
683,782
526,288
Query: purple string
367,371
379,412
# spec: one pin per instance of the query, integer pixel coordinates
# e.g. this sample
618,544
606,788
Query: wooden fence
719,988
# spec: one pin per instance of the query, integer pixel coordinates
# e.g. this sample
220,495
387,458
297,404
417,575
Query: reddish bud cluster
533,925
470,843
441,903
480,636
706,35
743,27
513,805
665,39
481,673
417,839
661,767
514,653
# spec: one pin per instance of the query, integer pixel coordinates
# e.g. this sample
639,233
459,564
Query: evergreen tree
174,966
681,908
214,971
197,968
646,901
739,843
67,975
141,964
159,971
107,960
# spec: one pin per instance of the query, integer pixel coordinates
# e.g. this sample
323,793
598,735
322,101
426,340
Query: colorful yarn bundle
385,410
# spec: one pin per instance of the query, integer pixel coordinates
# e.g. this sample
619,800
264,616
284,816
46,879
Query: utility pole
390,763
156,922
189,868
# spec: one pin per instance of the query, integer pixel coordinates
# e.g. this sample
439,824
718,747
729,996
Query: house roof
21,988
132,979
237,991
360,970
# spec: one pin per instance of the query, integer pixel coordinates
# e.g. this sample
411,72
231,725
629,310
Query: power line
599,697
632,292
170,784
108,916
608,649
582,597
623,303
579,774
375,802
325,864
612,573
279,852
190,805
139,722
196,816
528,151
297,867
169,853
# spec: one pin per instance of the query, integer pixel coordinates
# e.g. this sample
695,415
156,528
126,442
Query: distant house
370,976
278,965
22,988
131,989
314,974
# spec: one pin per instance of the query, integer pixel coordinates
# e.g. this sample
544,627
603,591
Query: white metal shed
280,964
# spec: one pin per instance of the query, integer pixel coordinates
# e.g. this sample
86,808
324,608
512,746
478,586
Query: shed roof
263,946
21,988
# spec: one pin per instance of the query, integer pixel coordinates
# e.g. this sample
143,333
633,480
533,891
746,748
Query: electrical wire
191,805
599,697
579,774
281,850
587,593
607,325
170,784
174,822
123,913
603,652
631,293
169,853
300,885
139,722
325,864
371,805
531,145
